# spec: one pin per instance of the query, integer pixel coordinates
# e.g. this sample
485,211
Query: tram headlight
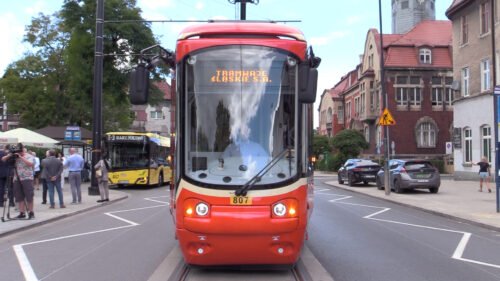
279,209
201,209
286,208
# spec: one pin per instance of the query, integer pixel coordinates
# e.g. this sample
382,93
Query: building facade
155,118
418,80
473,83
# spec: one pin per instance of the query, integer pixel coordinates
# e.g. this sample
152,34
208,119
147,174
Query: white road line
24,263
459,250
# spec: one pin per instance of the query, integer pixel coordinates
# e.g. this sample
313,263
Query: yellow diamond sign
386,119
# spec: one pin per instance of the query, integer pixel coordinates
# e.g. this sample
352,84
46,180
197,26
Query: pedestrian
53,169
5,172
43,177
36,170
64,175
75,165
484,174
102,181
23,180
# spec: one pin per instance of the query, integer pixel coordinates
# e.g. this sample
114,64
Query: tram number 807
240,200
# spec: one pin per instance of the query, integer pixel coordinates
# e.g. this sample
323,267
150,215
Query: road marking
459,250
24,263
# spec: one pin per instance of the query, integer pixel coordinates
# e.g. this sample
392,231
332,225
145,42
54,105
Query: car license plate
240,200
123,181
369,176
422,181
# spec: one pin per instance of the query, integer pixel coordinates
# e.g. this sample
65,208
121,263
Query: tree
53,85
349,144
321,144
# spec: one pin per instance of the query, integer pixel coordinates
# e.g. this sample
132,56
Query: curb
460,219
26,227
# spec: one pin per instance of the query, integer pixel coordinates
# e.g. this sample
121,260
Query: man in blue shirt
75,165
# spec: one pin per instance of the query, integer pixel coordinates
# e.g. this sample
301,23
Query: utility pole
387,184
496,101
97,96
243,6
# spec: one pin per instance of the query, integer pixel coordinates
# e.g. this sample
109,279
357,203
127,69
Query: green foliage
439,164
58,77
349,143
321,144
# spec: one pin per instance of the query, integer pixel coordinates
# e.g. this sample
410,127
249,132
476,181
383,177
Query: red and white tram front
242,195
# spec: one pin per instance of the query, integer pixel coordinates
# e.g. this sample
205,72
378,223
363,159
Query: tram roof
246,28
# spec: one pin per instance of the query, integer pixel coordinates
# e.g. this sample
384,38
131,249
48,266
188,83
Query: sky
336,29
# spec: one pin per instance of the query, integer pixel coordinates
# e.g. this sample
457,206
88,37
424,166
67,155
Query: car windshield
417,165
241,105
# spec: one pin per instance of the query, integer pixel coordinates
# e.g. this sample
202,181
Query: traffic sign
496,91
386,119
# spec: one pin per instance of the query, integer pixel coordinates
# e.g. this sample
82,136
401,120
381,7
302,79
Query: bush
439,164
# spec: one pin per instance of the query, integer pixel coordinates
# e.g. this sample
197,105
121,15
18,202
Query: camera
15,148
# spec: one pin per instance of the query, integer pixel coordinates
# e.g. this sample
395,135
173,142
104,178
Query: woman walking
484,174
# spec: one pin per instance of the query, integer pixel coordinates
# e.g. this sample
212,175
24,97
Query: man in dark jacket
4,176
53,169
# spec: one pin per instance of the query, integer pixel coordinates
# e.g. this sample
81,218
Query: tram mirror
308,83
139,85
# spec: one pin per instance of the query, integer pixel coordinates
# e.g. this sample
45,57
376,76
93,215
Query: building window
329,116
486,142
485,18
348,110
485,75
465,30
465,82
437,96
405,5
425,56
426,134
467,145
367,134
340,114
156,115
408,93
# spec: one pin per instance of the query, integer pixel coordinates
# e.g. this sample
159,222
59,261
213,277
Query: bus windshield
128,155
241,113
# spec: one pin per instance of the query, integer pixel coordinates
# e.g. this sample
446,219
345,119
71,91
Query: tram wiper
242,191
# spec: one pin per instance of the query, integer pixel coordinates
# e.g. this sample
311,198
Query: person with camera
5,173
23,179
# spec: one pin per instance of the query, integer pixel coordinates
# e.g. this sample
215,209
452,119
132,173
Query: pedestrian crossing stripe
386,118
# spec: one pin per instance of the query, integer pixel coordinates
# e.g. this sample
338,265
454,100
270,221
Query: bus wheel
160,180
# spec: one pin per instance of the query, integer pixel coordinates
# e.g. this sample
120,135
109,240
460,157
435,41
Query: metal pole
387,185
97,96
243,10
496,100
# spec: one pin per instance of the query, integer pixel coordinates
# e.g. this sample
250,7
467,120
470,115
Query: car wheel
365,182
433,189
379,184
350,180
397,186
341,181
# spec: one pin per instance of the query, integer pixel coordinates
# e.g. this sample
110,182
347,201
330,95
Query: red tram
242,185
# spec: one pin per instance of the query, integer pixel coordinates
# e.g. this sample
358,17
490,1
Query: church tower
408,13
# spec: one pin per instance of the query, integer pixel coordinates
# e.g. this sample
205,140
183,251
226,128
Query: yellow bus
138,159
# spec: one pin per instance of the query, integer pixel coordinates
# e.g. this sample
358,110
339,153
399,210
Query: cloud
352,20
200,6
326,39
155,4
38,7
12,47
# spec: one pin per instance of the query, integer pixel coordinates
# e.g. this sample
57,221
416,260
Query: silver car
411,174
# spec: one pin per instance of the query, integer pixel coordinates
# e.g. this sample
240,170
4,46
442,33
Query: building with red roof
418,77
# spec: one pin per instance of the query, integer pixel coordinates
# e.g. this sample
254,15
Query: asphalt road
357,237
354,237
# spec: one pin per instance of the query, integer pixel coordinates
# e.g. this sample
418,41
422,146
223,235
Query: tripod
8,187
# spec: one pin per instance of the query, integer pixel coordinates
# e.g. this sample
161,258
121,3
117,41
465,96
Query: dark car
358,170
411,174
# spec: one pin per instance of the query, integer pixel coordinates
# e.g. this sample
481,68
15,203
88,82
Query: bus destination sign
127,138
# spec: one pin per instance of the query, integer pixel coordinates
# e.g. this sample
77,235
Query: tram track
185,272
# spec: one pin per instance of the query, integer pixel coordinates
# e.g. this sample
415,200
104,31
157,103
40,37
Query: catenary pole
97,96
383,93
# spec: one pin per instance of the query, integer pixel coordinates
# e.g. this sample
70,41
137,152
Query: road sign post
496,125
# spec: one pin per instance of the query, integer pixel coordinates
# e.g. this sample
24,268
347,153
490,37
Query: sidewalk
455,199
45,215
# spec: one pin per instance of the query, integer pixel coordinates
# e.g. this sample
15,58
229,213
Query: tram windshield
240,115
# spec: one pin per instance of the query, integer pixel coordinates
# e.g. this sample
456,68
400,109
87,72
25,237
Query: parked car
411,174
358,170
